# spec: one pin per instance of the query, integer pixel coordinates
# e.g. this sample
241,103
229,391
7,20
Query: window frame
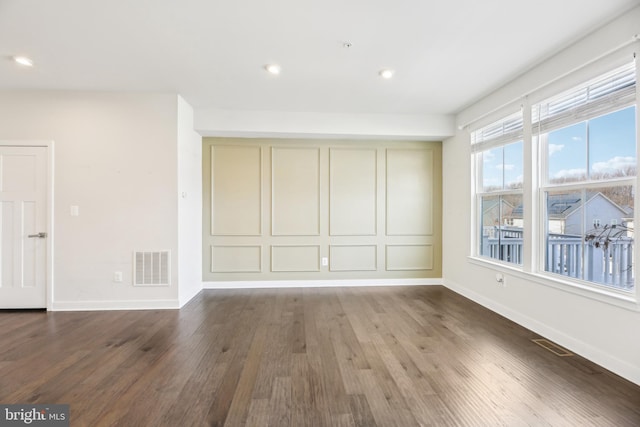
490,138
544,184
535,164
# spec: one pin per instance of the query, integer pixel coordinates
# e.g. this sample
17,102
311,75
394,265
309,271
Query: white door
23,227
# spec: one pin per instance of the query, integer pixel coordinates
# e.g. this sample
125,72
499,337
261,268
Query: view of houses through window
586,138
589,198
499,160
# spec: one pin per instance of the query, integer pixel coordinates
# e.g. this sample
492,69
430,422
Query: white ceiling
446,53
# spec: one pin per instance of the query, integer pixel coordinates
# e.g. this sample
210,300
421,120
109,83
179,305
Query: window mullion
588,156
504,183
586,261
636,213
530,172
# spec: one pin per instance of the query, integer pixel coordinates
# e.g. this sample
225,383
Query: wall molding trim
296,125
596,355
168,304
265,284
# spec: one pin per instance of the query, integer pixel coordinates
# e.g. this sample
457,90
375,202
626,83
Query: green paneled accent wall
285,209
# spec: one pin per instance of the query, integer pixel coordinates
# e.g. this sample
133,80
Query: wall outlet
117,276
325,261
500,279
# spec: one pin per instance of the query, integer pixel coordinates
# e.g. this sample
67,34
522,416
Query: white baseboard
318,283
596,355
114,305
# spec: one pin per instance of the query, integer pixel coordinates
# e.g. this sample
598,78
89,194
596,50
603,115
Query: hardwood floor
404,356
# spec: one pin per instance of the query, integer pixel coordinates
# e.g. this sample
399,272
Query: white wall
190,205
604,332
115,157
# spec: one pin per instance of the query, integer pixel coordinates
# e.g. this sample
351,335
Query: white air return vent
151,268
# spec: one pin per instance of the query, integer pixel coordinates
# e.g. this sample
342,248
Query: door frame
49,145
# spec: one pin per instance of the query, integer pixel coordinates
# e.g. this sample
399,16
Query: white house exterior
600,211
565,213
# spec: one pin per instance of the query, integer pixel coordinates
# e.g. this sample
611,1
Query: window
499,164
588,139
582,186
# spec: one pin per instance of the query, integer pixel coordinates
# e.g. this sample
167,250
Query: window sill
626,300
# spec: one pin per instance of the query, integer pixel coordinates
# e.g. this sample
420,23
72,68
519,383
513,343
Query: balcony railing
569,255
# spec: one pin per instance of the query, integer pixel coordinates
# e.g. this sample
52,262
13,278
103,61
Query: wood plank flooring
402,356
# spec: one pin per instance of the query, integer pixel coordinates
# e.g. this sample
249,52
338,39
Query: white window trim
477,179
534,163
544,185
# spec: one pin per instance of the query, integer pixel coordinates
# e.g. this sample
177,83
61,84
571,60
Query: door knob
40,235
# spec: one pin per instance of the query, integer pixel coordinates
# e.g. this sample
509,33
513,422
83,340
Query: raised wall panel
295,258
352,192
236,259
18,172
7,228
295,191
353,257
325,198
32,250
409,192
409,257
236,202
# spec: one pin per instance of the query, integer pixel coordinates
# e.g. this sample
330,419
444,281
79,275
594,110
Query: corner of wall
189,197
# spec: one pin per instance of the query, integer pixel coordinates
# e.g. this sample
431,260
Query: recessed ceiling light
386,73
273,68
23,60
